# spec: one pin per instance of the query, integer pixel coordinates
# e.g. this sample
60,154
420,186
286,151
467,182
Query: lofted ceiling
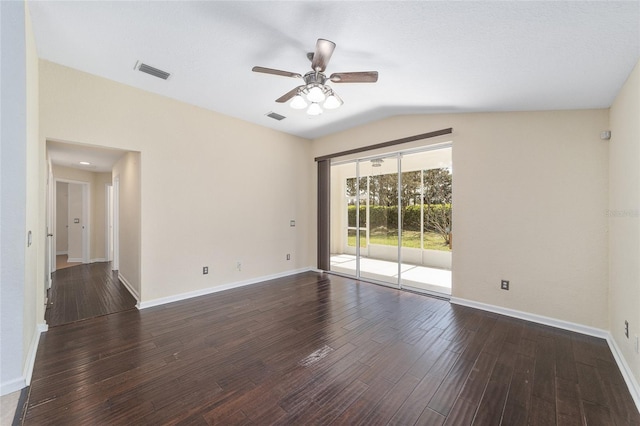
431,56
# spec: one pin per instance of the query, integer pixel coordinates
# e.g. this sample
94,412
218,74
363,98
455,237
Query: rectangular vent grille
148,69
276,116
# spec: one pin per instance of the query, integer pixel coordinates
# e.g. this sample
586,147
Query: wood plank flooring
86,291
62,261
320,349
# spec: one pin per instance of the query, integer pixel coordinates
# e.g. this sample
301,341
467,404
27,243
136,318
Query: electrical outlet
205,270
239,266
504,285
288,256
292,223
626,328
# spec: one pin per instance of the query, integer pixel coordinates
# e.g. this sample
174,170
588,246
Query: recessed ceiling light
84,163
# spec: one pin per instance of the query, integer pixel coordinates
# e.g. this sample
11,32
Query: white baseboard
129,287
625,370
33,349
98,259
75,260
540,319
25,380
205,291
60,253
629,378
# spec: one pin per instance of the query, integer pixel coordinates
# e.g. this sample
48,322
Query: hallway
62,261
86,291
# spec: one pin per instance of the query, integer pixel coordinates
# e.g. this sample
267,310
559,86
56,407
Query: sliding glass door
426,221
379,206
391,219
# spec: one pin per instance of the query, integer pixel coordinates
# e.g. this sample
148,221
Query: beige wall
624,219
530,194
126,174
199,169
97,205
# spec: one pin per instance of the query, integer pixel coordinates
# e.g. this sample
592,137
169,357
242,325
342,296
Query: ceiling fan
315,91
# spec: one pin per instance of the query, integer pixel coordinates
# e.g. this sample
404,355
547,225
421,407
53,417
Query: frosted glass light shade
332,102
298,102
315,94
314,109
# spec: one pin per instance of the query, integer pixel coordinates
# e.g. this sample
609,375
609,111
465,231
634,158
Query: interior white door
75,223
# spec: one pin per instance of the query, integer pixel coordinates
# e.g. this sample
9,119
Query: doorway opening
72,223
85,194
391,219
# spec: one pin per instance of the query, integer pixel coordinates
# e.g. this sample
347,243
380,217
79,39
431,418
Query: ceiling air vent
151,70
275,116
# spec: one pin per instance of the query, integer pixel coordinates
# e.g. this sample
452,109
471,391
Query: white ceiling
431,56
70,155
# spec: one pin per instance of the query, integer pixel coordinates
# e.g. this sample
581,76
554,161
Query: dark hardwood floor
86,291
321,349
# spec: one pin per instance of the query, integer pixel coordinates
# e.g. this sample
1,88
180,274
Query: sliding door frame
398,155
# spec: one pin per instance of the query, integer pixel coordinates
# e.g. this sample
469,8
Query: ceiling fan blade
324,50
290,94
354,77
276,72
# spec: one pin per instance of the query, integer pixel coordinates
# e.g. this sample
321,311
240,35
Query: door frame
86,216
398,155
50,266
115,264
109,221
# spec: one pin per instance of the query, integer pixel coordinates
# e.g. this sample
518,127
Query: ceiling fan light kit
314,109
315,90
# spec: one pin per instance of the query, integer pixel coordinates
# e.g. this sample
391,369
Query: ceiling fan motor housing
313,77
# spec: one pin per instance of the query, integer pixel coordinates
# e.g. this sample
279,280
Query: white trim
115,262
75,260
60,253
108,192
205,291
540,319
25,380
33,350
86,217
625,370
51,227
98,259
129,287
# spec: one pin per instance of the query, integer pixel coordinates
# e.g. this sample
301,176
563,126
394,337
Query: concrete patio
420,278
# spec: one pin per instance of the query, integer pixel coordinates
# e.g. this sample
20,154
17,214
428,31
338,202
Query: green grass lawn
432,240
